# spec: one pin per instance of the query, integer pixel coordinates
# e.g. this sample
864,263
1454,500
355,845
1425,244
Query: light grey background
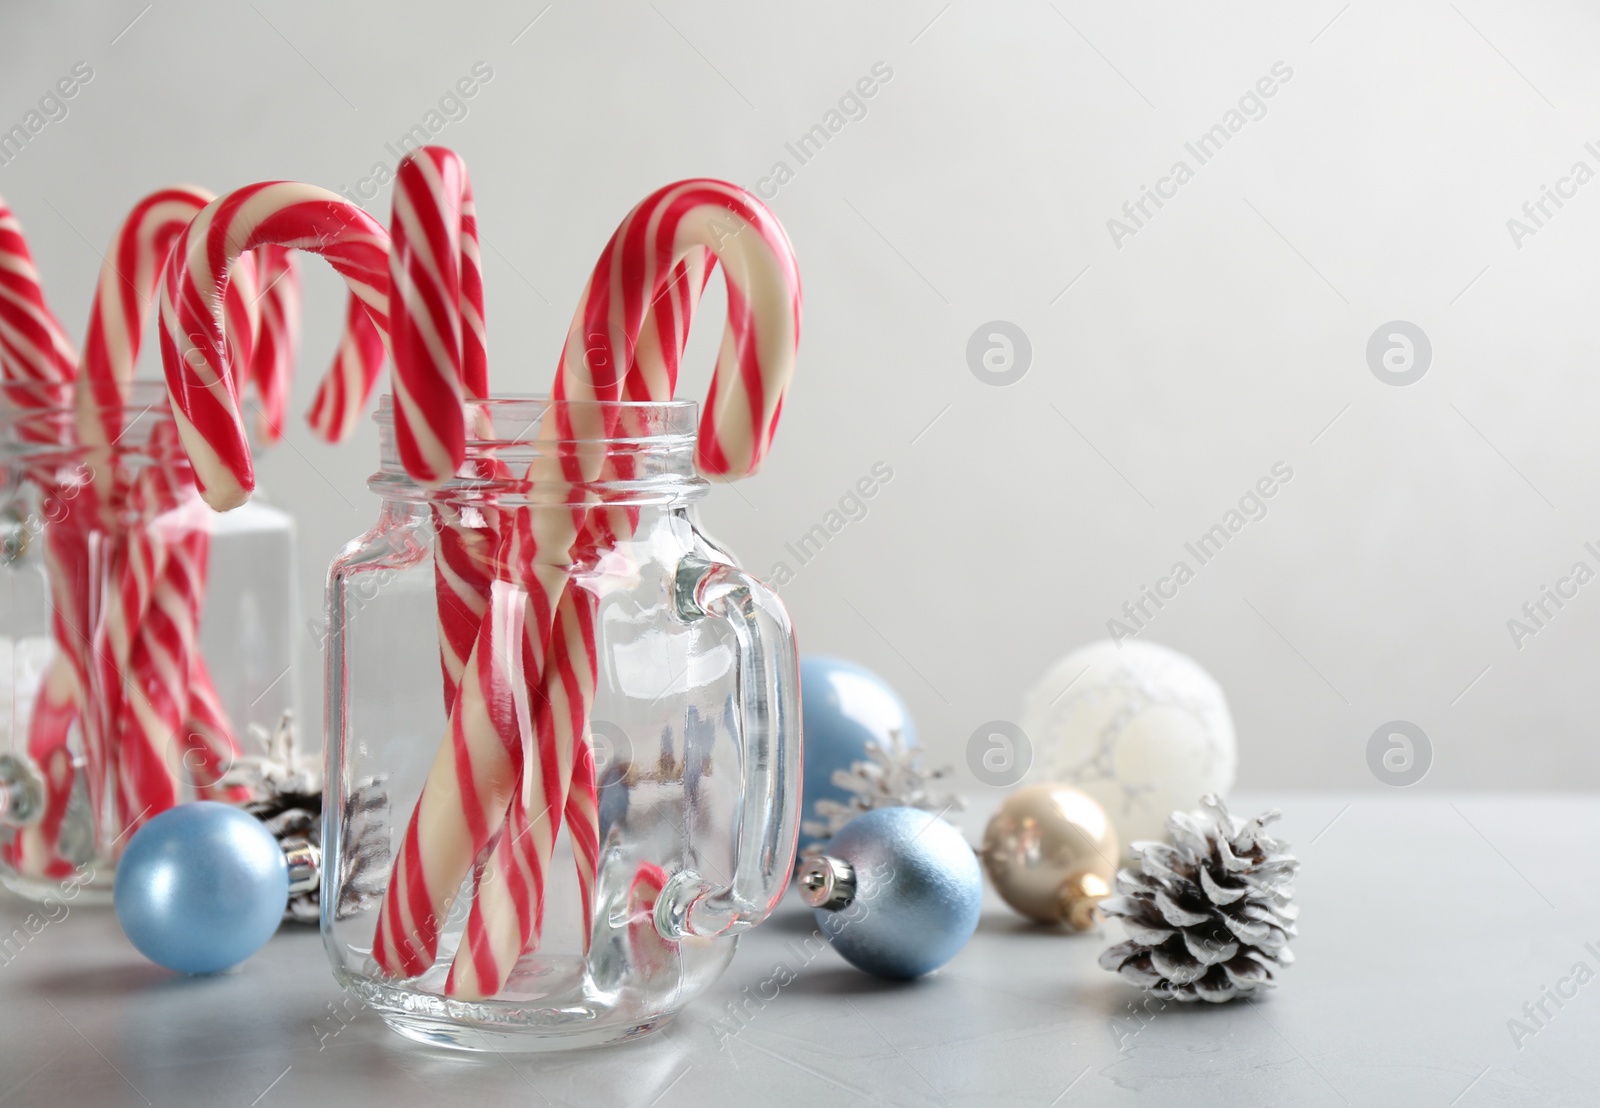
1169,371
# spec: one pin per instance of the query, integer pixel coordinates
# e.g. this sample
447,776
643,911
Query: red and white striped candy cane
38,358
436,327
152,679
464,799
345,390
150,668
649,948
201,379
637,268
138,710
508,912
277,338
557,780
34,348
437,336
128,277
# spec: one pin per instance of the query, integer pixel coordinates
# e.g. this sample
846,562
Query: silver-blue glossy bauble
908,890
844,709
201,887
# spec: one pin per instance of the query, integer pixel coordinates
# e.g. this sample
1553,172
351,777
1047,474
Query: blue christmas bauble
916,892
201,887
844,709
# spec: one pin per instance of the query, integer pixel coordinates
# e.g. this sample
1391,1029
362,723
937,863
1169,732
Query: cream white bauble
1139,727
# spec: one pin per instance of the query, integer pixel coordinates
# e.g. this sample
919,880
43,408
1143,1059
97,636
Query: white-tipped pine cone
1208,917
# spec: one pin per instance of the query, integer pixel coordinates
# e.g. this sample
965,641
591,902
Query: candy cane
436,313
649,947
201,378
209,746
758,344
152,676
129,276
34,349
37,356
469,786
436,316
277,339
437,335
133,559
206,366
149,674
754,366
436,324
345,390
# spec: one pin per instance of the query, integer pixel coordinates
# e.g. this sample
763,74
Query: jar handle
769,704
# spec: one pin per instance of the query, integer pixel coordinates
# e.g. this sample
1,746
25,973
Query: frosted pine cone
287,797
1208,917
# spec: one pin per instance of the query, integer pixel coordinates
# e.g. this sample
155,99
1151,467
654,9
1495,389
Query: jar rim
652,441
675,413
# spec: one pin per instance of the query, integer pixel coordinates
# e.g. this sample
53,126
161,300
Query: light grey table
1427,924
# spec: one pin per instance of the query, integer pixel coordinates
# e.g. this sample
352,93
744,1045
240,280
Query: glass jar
142,637
693,733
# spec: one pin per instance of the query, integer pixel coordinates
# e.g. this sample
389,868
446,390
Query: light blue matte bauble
201,887
918,892
844,708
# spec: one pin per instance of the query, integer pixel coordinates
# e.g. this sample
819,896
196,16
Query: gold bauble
1051,852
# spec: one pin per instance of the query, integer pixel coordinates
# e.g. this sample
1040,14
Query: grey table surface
1428,922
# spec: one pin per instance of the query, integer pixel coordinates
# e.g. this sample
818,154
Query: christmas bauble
201,887
898,892
1139,727
844,709
1051,853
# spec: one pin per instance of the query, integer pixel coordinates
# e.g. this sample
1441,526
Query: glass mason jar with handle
454,910
142,637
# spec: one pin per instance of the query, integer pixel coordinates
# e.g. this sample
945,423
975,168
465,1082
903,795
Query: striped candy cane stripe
463,801
122,300
277,338
756,358
436,333
139,671
345,390
436,313
36,353
209,746
639,301
506,917
153,620
194,346
647,283
34,349
649,948
508,914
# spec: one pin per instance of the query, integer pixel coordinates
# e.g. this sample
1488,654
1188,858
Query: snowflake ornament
892,777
